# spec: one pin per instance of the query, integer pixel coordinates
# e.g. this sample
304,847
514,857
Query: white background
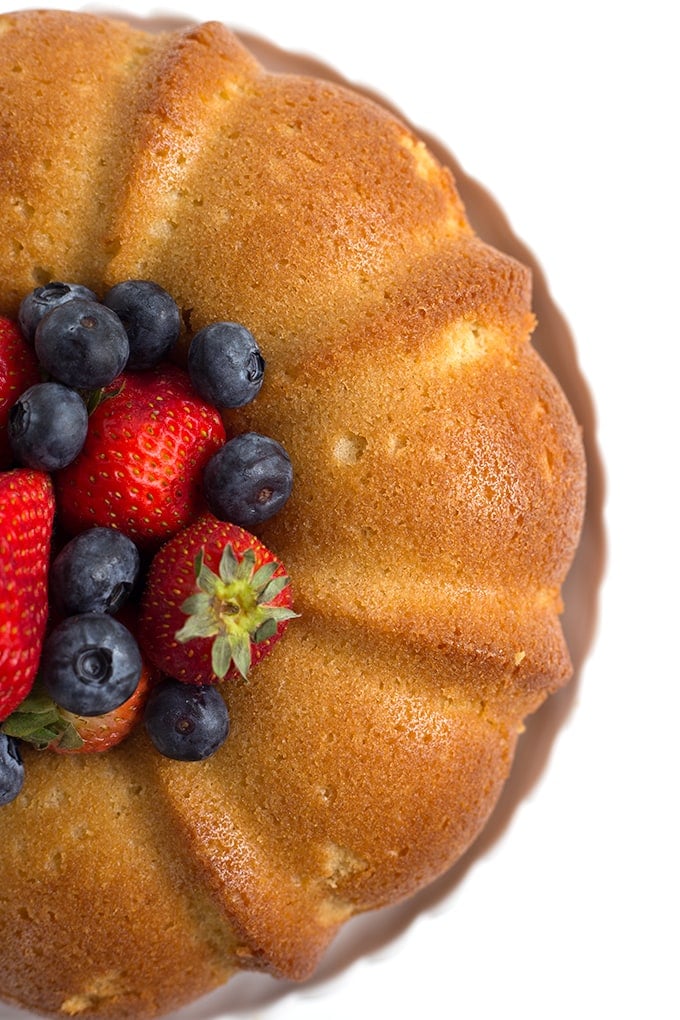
562,119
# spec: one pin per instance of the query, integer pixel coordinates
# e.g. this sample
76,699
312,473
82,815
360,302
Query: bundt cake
437,503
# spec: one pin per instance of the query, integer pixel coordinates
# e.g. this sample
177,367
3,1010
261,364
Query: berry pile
129,587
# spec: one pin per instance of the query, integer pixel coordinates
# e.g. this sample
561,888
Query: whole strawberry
216,601
19,369
26,516
141,467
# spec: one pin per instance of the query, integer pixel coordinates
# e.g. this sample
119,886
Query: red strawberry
19,369
26,515
39,721
142,464
102,732
215,603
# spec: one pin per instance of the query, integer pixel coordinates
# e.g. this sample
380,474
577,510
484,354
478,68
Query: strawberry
142,464
216,601
26,516
19,369
39,721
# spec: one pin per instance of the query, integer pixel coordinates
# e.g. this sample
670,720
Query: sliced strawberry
142,464
216,602
26,517
19,369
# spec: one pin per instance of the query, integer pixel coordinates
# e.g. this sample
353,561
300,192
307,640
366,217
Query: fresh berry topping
19,369
216,601
137,464
26,514
151,319
95,572
41,722
225,364
91,664
248,480
47,426
82,344
42,300
142,464
11,769
185,722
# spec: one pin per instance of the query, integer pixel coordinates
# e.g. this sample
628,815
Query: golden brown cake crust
438,500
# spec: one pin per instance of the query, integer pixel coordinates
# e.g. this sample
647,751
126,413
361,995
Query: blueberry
90,664
225,365
151,319
248,480
11,769
187,722
95,572
43,299
82,344
47,426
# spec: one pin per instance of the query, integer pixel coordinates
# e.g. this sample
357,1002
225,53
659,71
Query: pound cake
437,501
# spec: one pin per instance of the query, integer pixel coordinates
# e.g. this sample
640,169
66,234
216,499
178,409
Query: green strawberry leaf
93,398
40,722
207,580
228,565
274,588
221,655
263,576
240,652
266,630
201,619
281,613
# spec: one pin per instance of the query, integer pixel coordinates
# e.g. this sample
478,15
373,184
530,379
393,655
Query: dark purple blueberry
95,572
248,480
90,664
187,722
151,319
82,344
11,769
43,299
47,426
225,365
